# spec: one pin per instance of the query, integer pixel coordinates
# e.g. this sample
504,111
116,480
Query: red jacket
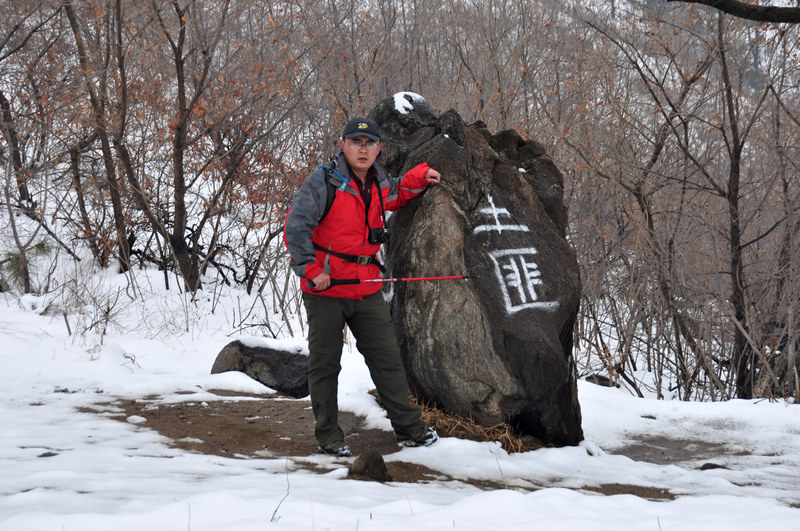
345,228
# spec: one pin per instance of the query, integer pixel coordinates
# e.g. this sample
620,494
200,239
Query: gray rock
369,466
284,371
497,348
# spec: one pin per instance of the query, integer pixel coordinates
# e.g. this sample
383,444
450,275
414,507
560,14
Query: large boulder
497,348
283,370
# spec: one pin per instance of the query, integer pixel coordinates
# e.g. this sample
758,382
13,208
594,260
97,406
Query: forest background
174,133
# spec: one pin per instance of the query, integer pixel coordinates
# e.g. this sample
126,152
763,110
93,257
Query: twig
505,484
273,519
410,506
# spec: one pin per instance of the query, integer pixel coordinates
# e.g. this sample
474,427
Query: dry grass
450,425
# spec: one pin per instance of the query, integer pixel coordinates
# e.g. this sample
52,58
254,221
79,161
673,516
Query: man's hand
432,176
320,282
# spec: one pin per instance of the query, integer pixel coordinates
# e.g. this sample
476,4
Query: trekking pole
343,281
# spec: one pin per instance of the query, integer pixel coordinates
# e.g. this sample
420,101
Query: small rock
369,466
713,466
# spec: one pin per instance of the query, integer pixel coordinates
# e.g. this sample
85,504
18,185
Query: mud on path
256,426
266,426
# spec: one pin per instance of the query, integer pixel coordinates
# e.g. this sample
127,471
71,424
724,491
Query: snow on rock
403,101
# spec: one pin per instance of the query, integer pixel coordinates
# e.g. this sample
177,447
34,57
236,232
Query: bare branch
751,12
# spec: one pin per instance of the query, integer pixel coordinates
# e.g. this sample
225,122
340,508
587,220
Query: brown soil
259,426
266,426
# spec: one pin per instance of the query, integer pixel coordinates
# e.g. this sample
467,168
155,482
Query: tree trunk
742,354
101,130
10,132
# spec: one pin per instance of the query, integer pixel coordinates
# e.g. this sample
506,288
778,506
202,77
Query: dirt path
264,426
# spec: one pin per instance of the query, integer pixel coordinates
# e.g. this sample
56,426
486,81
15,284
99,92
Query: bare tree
174,132
94,73
28,38
695,227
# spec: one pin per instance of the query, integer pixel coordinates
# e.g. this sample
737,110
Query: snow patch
402,103
298,347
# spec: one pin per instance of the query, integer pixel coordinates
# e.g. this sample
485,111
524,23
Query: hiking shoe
337,449
426,437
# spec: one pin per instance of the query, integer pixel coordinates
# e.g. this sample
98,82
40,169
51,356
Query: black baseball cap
362,127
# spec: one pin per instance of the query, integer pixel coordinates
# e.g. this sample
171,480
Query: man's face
360,153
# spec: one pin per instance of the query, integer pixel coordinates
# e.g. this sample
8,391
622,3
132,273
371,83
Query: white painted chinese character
519,276
496,213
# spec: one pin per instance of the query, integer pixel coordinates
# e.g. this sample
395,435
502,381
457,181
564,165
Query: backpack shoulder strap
331,193
329,170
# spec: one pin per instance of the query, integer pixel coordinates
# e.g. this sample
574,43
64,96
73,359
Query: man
341,244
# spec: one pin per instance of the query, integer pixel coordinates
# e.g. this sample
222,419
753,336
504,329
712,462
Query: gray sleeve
303,218
393,182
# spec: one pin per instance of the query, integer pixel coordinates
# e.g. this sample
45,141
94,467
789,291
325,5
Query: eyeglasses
367,144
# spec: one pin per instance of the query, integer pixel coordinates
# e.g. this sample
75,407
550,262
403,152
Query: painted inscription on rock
516,269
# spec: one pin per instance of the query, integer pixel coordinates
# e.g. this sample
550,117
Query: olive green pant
371,325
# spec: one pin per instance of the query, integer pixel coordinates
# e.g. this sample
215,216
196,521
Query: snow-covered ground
62,469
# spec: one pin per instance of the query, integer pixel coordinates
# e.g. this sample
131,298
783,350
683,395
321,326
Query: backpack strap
331,193
329,170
